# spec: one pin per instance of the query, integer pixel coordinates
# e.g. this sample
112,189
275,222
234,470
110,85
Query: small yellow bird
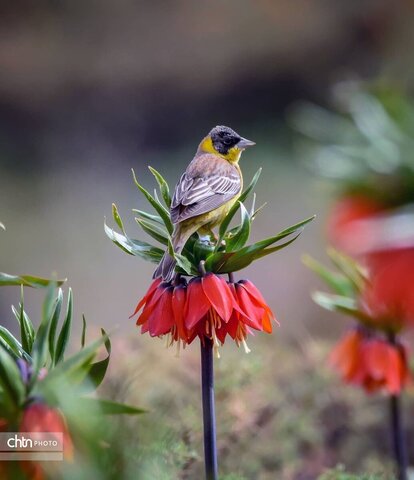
206,191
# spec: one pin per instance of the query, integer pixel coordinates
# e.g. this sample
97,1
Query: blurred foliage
366,144
35,369
339,474
281,414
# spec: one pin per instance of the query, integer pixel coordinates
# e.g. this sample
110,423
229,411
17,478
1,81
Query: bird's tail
166,267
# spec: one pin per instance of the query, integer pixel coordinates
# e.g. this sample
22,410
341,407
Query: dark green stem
397,430
209,418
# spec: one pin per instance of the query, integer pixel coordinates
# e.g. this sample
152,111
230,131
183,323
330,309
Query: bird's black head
224,138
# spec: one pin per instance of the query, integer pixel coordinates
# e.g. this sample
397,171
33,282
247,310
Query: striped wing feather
208,183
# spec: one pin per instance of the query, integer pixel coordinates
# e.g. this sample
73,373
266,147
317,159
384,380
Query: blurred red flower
389,295
345,229
371,362
207,306
39,417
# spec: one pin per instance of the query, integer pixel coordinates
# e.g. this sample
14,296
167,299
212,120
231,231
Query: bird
206,191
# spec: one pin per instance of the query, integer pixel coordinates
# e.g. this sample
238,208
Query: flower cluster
371,355
371,362
205,307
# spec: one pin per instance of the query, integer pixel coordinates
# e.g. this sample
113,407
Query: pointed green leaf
339,303
108,407
226,222
164,189
241,235
64,334
135,247
77,365
54,323
257,211
12,343
223,262
26,280
235,261
149,216
98,370
182,261
117,217
24,336
83,336
349,267
154,231
11,380
160,209
337,282
41,342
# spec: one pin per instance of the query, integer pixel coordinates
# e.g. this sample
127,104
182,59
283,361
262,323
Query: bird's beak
244,143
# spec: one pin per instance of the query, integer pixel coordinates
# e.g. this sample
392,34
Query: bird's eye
227,141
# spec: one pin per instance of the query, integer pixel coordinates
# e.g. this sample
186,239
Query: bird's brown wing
208,183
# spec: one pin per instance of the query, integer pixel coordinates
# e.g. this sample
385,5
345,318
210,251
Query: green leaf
117,217
339,303
26,327
154,231
224,262
76,366
54,323
98,370
241,235
24,336
164,189
226,222
349,267
27,280
83,336
64,334
108,407
41,342
11,381
13,344
149,216
181,260
235,261
135,247
160,209
337,282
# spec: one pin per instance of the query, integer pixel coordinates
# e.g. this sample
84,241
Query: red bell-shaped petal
197,303
147,296
178,308
161,319
152,303
219,295
254,313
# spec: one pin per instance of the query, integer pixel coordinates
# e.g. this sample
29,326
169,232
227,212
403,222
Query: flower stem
398,440
209,417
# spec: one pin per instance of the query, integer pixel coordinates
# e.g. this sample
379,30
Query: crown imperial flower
371,362
205,307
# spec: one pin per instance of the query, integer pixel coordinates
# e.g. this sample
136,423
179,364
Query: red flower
389,296
207,306
346,230
371,362
39,417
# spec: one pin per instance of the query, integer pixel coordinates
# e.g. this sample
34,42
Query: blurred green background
89,90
